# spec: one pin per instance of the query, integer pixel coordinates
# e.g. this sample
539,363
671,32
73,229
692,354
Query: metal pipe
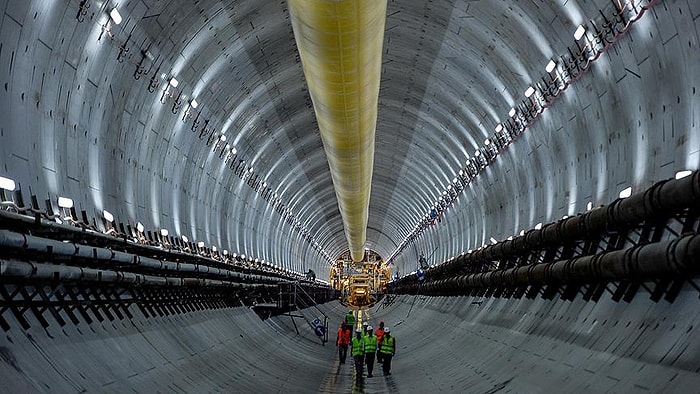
340,45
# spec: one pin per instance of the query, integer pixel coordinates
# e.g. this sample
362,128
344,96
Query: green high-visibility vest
387,345
370,344
358,348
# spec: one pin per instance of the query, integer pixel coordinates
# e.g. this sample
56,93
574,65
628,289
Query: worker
358,351
350,319
344,334
364,329
380,335
387,348
370,350
368,331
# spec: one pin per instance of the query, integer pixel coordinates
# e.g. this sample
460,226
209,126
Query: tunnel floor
448,345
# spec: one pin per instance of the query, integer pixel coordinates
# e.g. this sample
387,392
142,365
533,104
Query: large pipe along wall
670,258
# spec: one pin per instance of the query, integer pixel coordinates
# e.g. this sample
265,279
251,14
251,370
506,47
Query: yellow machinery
360,284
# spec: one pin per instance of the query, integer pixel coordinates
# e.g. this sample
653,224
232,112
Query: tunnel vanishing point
517,182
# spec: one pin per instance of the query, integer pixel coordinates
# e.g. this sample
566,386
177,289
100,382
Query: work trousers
359,361
379,357
369,360
343,353
386,365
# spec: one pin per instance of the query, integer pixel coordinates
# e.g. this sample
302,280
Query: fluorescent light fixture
626,192
200,244
511,113
235,255
530,90
565,217
461,172
510,238
194,103
65,202
487,141
264,184
225,252
477,153
493,240
550,66
107,215
173,82
498,128
522,232
679,174
589,206
250,169
454,180
164,232
7,184
115,15
223,137
538,226
234,150
185,239
580,30
139,227
213,248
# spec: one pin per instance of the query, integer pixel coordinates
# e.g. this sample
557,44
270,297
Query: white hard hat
364,323
359,331
386,329
370,328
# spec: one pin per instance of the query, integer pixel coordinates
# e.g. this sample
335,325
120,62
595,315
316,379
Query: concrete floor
443,345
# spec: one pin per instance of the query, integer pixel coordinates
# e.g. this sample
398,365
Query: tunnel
167,180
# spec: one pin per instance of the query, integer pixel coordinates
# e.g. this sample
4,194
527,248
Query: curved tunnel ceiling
89,112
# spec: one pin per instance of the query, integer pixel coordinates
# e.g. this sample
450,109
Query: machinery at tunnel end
360,284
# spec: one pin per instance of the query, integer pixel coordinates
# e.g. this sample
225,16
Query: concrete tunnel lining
446,344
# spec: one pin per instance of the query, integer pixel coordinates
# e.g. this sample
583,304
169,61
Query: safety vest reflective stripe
387,345
370,344
358,348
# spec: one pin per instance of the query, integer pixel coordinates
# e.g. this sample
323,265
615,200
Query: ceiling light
164,232
454,180
223,137
185,239
7,184
234,150
511,113
116,17
139,227
679,174
498,128
173,82
538,226
550,66
626,192
200,244
108,216
530,90
580,30
486,141
194,103
477,153
493,240
65,202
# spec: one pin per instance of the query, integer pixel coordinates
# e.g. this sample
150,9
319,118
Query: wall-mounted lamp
589,206
683,174
580,31
550,66
139,227
200,244
164,232
538,226
184,239
499,128
108,216
511,113
7,184
626,192
115,16
65,202
173,82
529,91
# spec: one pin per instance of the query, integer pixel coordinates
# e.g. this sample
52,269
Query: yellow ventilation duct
340,43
